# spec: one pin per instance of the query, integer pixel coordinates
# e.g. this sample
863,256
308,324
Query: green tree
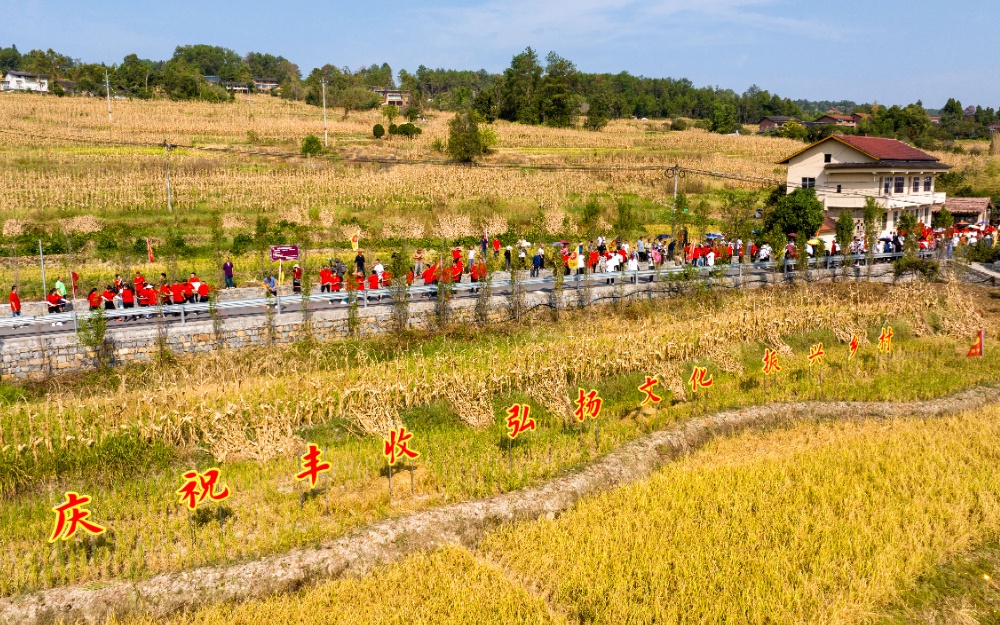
724,118
845,230
738,211
312,146
793,130
799,212
378,131
943,219
390,112
520,86
557,100
872,214
466,142
599,111
909,227
10,59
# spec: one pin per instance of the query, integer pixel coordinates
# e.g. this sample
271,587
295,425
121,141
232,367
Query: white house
846,170
23,81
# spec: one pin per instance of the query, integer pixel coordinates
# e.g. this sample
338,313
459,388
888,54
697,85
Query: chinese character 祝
200,488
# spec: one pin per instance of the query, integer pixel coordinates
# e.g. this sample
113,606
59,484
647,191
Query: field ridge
462,523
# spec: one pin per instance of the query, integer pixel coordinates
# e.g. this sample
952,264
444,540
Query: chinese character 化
396,446
816,354
518,420
201,487
311,465
68,524
588,404
700,379
647,388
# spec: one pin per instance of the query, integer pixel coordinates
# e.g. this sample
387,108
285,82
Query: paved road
752,274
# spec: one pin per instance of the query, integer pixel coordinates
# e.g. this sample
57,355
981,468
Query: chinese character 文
200,487
647,388
770,360
72,517
518,420
312,465
853,347
700,379
816,354
587,405
395,447
885,340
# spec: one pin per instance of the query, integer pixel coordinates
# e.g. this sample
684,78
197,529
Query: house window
828,158
895,217
928,184
916,184
885,221
887,185
808,183
838,188
900,185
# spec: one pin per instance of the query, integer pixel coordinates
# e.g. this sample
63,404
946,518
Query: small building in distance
970,210
774,122
395,97
265,84
837,119
24,81
845,170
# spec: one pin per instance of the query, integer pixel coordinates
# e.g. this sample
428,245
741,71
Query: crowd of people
600,256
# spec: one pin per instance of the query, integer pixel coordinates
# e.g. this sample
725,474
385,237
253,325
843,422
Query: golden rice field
252,412
827,523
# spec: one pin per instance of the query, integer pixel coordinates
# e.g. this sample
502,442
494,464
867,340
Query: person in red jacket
94,299
409,278
335,282
15,302
496,247
456,272
138,281
188,289
166,293
177,292
128,297
203,292
324,279
296,279
386,279
108,296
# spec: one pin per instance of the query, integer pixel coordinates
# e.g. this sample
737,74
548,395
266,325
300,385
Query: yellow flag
355,239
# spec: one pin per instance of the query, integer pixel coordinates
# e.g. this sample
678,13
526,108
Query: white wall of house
15,82
808,168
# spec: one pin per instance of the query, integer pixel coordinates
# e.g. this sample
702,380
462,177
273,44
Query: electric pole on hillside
326,135
676,173
107,87
166,162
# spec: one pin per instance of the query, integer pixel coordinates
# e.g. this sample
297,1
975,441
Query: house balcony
855,200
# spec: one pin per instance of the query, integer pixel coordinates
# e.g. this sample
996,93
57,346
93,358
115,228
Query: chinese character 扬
588,405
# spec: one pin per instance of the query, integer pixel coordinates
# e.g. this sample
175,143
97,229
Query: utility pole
166,162
326,136
675,172
41,255
107,87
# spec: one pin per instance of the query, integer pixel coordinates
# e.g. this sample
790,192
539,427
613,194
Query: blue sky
892,51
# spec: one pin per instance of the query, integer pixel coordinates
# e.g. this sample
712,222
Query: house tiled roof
890,164
967,204
838,117
876,148
777,118
887,149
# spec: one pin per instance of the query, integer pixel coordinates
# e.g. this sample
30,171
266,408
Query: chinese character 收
312,465
647,388
200,487
587,404
71,517
518,420
885,340
853,346
770,360
816,354
700,379
395,447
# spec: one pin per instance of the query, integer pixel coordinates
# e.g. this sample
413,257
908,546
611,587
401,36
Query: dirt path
462,523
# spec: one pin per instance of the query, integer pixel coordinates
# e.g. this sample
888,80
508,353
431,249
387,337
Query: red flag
149,251
76,278
977,350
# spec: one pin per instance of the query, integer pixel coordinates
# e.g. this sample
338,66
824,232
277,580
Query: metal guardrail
294,302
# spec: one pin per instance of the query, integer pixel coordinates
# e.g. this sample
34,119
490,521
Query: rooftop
968,204
876,148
